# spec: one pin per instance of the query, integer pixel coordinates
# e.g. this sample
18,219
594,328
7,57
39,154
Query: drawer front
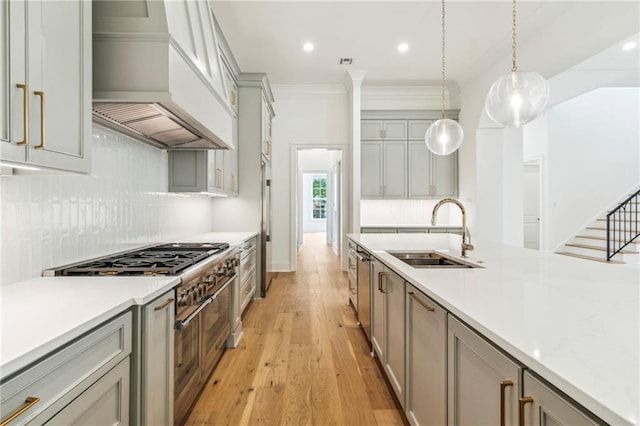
247,290
59,378
247,266
249,246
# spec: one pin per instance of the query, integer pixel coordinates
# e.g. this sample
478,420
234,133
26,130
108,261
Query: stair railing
622,225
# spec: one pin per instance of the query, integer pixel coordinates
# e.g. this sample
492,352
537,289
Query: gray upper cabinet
45,116
371,169
542,406
383,169
383,130
396,163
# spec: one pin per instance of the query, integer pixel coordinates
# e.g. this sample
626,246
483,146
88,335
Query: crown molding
403,97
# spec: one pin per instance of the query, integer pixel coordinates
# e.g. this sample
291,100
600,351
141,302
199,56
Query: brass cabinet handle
424,305
233,97
41,94
503,385
524,401
380,275
164,305
25,114
29,402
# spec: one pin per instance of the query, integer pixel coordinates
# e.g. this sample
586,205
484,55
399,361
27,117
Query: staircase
623,246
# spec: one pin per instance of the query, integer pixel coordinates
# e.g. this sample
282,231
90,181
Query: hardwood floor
302,360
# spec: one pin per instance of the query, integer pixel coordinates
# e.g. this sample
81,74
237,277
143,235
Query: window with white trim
319,198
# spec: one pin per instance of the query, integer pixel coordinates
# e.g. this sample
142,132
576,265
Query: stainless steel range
207,272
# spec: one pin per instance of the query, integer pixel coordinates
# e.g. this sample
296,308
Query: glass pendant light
445,135
518,97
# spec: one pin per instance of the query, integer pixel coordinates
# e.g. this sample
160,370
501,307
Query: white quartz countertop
576,323
41,314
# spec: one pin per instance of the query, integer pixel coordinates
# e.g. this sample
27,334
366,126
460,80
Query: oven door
215,327
188,364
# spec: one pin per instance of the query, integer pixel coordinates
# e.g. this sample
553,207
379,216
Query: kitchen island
574,323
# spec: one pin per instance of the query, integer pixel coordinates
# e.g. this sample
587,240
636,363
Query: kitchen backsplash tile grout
49,221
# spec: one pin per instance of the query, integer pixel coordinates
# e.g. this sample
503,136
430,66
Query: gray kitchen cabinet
157,366
542,406
211,171
248,268
384,169
371,169
72,376
483,383
431,175
45,112
426,346
383,130
418,128
105,403
387,324
267,129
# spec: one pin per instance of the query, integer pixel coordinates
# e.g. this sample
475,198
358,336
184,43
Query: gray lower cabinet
483,383
89,375
542,406
426,346
105,403
157,391
248,272
387,325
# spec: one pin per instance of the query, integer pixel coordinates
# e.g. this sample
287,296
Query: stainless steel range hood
157,73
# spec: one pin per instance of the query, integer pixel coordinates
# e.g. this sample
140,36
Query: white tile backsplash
406,212
48,221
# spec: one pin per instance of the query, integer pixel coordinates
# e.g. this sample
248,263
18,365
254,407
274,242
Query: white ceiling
267,36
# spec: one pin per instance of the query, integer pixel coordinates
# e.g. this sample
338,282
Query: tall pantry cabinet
45,84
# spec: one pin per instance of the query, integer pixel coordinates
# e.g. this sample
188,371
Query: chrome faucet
465,246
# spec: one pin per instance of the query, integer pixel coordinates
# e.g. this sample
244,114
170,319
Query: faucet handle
467,246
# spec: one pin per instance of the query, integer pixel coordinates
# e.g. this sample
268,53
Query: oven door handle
181,325
226,284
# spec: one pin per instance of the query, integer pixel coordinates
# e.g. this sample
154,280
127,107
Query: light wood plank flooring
303,360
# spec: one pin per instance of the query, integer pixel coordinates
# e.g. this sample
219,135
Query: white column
353,82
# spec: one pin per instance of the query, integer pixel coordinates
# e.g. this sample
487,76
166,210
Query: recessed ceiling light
308,47
629,45
403,47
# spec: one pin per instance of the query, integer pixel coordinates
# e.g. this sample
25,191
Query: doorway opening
318,196
531,204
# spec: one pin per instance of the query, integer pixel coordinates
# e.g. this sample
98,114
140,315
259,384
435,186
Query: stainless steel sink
428,259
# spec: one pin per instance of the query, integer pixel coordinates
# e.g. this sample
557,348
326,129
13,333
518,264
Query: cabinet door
157,361
419,170
106,402
59,77
445,175
395,170
371,169
417,129
231,163
371,130
479,377
395,130
188,171
394,292
377,310
548,408
426,360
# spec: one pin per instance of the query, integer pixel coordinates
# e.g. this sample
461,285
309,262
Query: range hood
157,73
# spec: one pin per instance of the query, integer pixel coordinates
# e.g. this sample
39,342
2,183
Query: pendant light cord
443,80
514,68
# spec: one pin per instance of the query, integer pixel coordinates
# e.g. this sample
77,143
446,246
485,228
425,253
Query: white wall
49,221
309,224
592,157
305,116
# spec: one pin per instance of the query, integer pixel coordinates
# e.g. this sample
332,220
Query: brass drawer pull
164,305
524,401
29,402
503,385
42,121
380,275
25,114
424,305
